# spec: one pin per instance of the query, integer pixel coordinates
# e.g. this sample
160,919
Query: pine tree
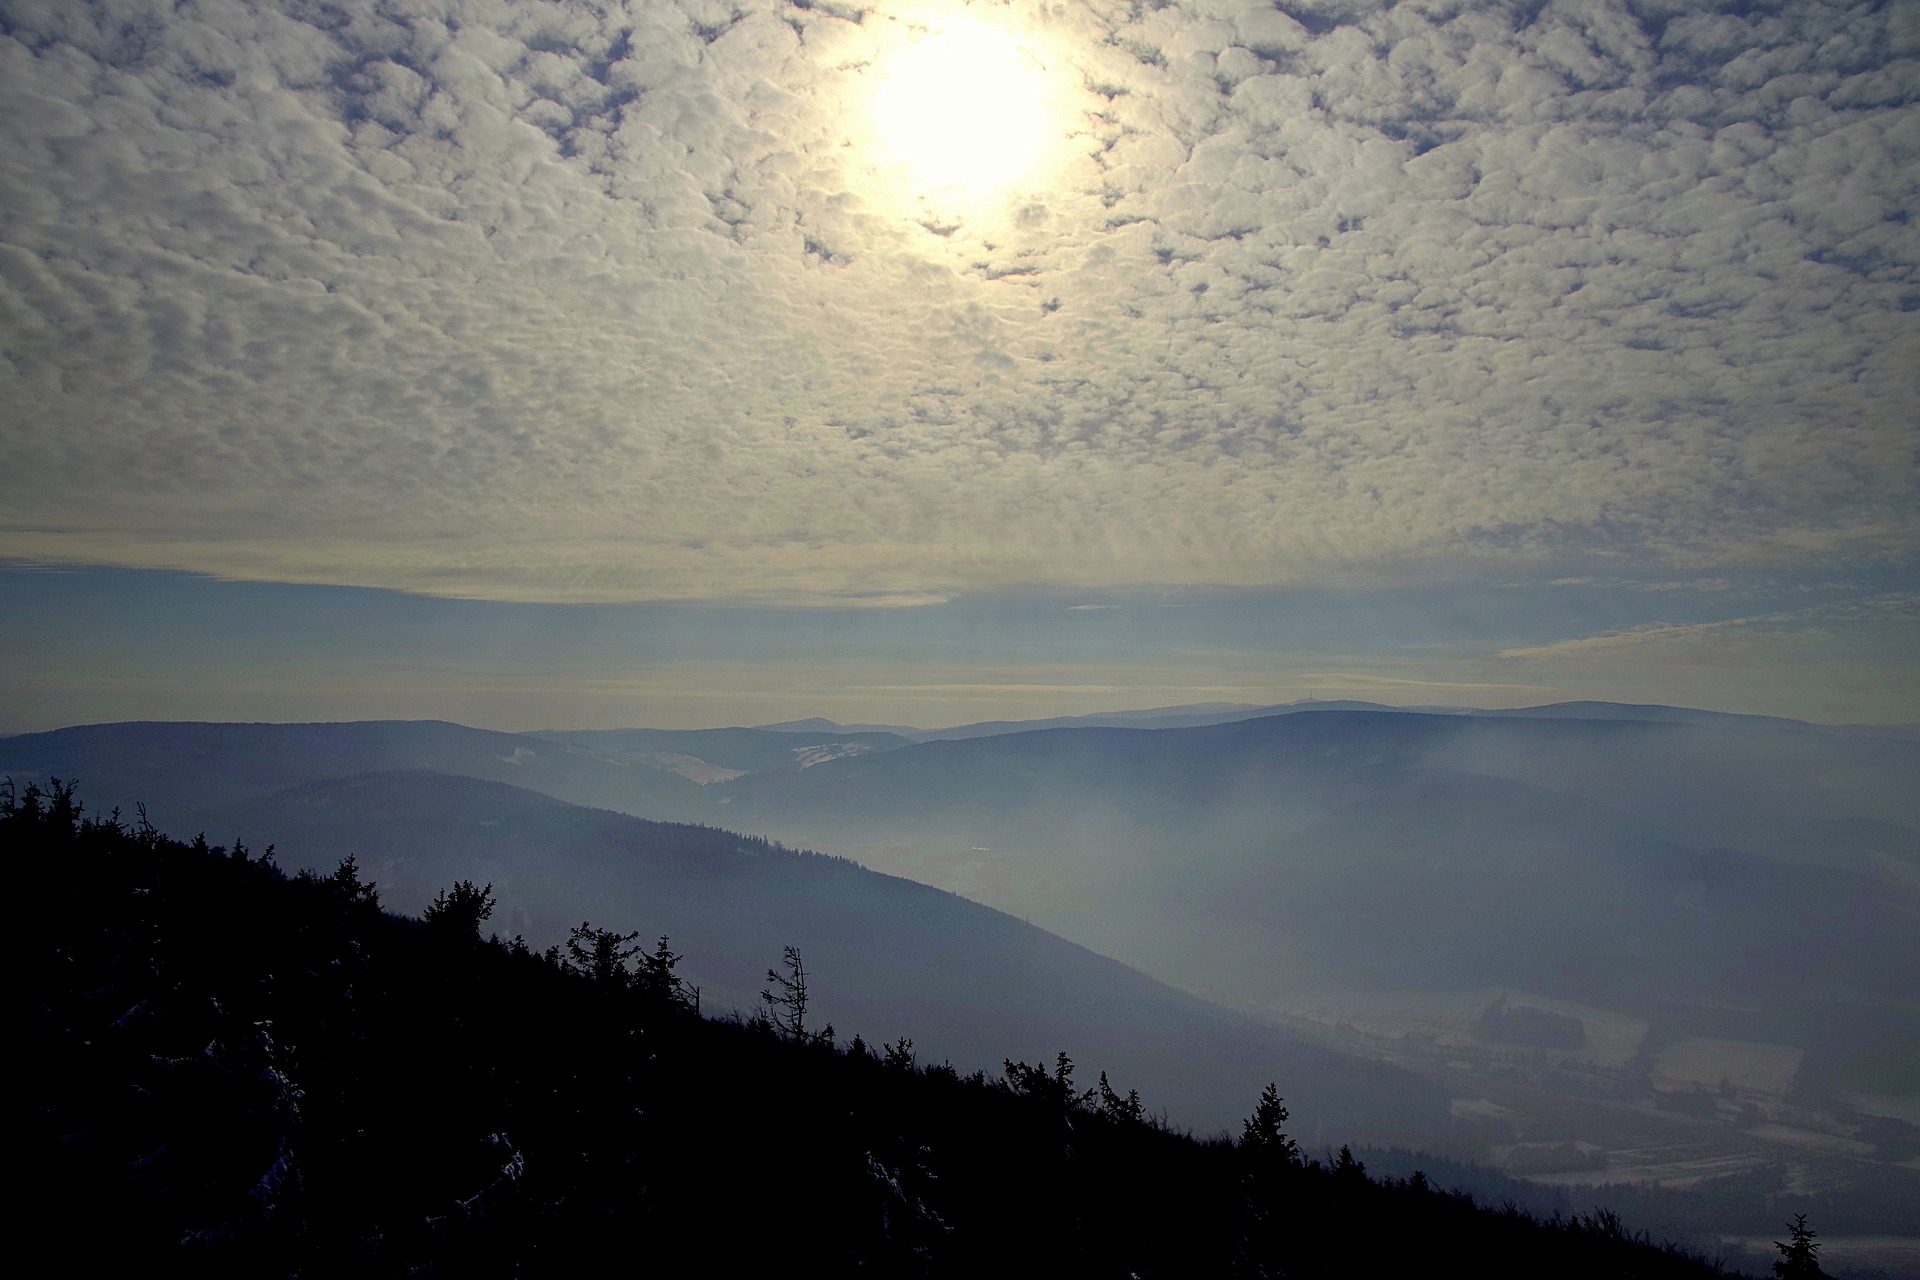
659,985
1269,1168
1262,1139
344,881
1346,1167
1798,1258
602,954
1057,1088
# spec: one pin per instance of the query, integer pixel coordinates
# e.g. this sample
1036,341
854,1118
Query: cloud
1695,584
978,687
1631,584
610,301
1794,626
1352,682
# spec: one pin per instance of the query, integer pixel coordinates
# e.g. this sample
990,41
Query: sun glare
965,111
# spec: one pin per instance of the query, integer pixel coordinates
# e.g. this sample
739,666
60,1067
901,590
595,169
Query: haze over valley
1585,945
1348,570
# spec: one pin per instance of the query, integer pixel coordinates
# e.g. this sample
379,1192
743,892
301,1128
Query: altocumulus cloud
579,301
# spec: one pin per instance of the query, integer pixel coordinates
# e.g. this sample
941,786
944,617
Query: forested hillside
892,957
241,1072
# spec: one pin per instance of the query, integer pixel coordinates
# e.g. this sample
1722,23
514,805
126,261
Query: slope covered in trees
893,957
241,1072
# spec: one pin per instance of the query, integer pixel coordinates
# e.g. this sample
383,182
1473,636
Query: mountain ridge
890,956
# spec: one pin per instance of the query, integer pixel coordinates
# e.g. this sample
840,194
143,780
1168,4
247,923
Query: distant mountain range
705,755
1637,863
1729,875
1190,715
423,1102
190,774
1200,714
890,957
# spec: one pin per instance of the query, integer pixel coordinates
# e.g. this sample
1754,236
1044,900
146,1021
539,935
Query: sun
964,111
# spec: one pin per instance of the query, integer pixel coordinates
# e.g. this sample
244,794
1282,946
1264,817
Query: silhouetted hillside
1652,865
1729,908
240,1073
891,957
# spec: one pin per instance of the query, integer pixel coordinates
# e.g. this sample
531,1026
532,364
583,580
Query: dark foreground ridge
234,1071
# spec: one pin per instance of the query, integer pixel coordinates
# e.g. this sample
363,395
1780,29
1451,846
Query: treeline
230,1070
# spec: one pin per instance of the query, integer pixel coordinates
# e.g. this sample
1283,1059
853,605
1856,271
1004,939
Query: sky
547,363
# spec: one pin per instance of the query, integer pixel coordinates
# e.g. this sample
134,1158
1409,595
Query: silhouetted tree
459,911
899,1055
345,880
1262,1138
1057,1088
1348,1168
654,978
786,998
1270,1169
1115,1107
54,811
602,954
1798,1258
241,853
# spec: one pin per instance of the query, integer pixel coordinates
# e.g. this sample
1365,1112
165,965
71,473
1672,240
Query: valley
1666,959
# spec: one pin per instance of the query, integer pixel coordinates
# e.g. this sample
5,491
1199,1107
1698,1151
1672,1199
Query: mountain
1187,716
1645,935
819,724
890,957
1153,718
1151,844
1798,793
1659,868
240,1073
1126,838
1196,715
189,774
706,755
1638,711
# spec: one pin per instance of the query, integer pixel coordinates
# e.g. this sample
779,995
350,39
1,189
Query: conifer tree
658,984
460,910
1056,1088
1115,1107
344,881
1269,1165
1262,1138
1798,1258
1346,1167
602,954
